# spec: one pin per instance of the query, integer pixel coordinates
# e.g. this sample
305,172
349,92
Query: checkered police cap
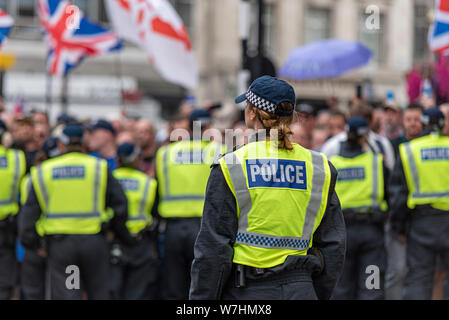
266,93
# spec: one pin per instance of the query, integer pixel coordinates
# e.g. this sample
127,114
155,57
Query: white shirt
332,147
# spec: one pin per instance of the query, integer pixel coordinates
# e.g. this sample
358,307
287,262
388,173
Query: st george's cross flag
156,27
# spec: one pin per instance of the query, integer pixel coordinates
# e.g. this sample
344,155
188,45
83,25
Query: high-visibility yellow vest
360,182
141,193
426,168
182,170
12,170
281,198
71,190
24,193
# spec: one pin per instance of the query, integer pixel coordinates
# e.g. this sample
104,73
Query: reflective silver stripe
414,171
43,188
73,215
240,189
375,182
431,195
165,170
412,164
184,198
97,186
16,176
143,202
245,204
15,180
319,176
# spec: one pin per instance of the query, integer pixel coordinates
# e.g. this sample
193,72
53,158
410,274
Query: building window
375,38
185,10
85,7
421,29
4,5
317,24
103,13
26,8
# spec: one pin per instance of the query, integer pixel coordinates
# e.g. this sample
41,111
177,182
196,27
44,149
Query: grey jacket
213,251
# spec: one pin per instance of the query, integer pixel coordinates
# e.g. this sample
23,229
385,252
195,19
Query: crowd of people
322,130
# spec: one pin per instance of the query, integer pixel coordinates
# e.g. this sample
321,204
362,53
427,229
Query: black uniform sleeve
28,215
399,212
330,239
116,200
213,250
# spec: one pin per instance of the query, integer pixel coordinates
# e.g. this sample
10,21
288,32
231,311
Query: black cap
50,147
357,126
433,116
305,107
267,93
65,118
127,152
202,115
102,124
3,127
72,134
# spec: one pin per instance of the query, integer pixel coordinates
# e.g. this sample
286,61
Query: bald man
145,139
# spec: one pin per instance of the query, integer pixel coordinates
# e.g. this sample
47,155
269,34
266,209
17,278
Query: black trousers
289,285
179,240
134,277
88,253
365,247
33,276
427,239
8,273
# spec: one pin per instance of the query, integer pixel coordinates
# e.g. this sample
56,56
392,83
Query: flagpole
64,95
48,105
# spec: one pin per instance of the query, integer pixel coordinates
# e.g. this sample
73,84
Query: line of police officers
76,212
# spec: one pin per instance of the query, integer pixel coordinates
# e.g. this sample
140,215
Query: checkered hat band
260,103
272,242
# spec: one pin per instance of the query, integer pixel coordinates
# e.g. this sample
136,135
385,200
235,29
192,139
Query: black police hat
127,152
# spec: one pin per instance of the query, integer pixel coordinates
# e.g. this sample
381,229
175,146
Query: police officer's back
72,192
272,226
420,204
361,188
182,170
134,269
33,270
12,170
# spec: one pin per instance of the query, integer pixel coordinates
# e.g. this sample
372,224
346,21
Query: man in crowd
146,140
411,126
378,143
337,123
101,142
392,121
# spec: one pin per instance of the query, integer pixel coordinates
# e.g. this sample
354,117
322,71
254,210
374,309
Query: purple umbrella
325,59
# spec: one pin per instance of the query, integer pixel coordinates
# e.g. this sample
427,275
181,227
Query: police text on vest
276,173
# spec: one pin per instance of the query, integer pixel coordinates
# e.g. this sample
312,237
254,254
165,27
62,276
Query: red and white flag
156,27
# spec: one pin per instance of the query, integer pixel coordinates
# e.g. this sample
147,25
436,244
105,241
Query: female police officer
272,226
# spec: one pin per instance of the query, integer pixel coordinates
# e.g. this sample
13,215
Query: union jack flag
6,22
71,37
439,31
